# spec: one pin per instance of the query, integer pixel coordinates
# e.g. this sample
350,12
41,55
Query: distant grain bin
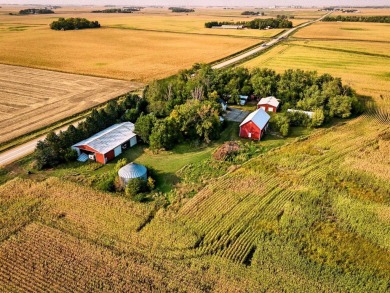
132,171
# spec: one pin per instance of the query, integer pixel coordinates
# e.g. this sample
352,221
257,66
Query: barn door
118,151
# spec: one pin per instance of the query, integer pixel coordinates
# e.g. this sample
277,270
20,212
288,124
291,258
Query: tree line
362,18
252,13
181,9
258,23
116,10
73,24
35,11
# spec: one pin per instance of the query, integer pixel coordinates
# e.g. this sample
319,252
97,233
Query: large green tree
144,126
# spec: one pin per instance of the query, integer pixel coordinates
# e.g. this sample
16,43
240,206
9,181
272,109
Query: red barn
107,144
269,104
254,125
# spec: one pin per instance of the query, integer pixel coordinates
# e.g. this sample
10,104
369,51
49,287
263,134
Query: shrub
280,123
135,187
318,118
151,183
107,184
120,164
71,155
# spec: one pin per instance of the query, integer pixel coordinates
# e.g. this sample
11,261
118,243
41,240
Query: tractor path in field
265,46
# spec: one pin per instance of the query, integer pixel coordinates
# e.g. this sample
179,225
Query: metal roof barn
254,125
132,171
108,143
269,104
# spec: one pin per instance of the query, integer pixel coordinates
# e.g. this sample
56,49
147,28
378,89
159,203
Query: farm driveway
236,115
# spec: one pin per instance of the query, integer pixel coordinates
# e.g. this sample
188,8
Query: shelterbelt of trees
35,11
354,18
280,22
117,10
181,9
185,108
73,24
252,13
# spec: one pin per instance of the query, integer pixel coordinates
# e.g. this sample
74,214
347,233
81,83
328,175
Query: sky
257,3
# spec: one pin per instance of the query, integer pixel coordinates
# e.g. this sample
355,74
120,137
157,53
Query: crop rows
36,98
229,214
41,258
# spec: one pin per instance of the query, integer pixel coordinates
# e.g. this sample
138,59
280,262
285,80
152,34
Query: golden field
366,12
370,48
141,46
346,31
33,98
115,53
369,75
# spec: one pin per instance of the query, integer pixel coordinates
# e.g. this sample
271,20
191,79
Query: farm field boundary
341,50
190,33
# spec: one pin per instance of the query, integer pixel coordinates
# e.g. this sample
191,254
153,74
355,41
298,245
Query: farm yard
33,98
307,211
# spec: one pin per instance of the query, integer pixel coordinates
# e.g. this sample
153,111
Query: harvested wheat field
367,73
33,98
346,31
125,51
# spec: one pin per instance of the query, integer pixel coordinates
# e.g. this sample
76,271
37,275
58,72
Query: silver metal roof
308,113
269,101
131,171
259,117
109,138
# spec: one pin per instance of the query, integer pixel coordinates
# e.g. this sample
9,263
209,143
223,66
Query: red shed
269,104
254,125
107,144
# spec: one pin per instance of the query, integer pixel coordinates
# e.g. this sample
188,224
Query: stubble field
130,54
346,31
33,98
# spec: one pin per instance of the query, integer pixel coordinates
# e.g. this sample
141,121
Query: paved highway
25,149
265,45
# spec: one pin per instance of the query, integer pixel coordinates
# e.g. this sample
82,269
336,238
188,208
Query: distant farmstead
107,144
269,104
229,26
254,125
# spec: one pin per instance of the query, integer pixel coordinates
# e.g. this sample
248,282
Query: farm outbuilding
269,104
107,144
254,125
243,100
132,171
308,113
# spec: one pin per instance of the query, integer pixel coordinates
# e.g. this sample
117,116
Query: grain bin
132,171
